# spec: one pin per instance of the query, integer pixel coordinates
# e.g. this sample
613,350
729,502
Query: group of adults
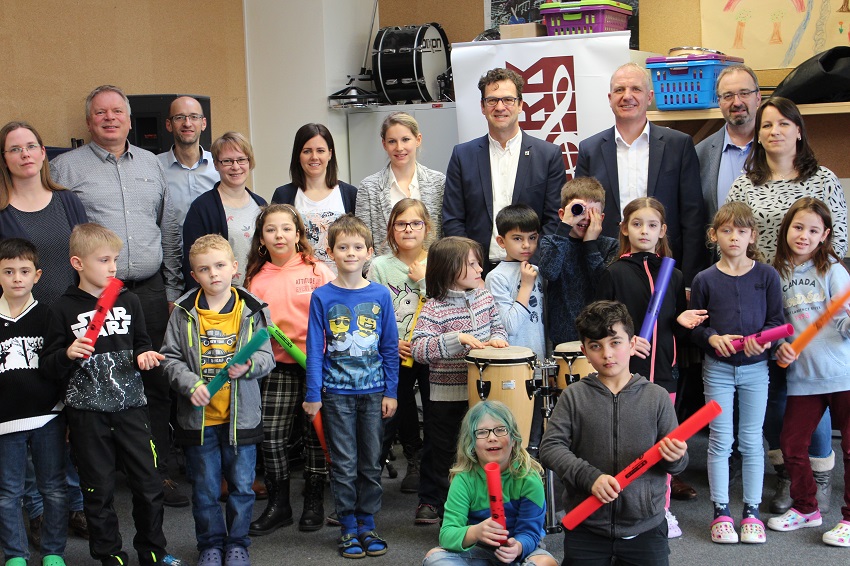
158,205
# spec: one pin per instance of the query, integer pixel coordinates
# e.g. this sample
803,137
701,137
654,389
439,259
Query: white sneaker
839,535
792,520
673,530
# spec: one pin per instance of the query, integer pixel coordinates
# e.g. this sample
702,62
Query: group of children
369,341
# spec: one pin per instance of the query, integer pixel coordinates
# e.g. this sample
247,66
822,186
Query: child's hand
723,343
388,407
642,347
753,348
786,354
496,343
404,349
235,371
509,551
606,488
671,449
416,272
312,409
527,274
149,360
201,396
470,340
568,217
594,228
490,532
80,348
692,318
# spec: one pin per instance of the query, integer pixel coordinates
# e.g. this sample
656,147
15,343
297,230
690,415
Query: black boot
278,513
410,483
313,516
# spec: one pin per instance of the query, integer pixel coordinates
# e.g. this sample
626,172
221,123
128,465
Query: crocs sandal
350,546
17,561
210,557
237,556
52,560
723,530
374,545
839,535
792,520
752,531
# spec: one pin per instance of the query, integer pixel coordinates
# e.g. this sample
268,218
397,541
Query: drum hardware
482,386
446,85
354,95
547,370
573,364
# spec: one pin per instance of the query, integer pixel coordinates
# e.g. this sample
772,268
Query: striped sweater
436,343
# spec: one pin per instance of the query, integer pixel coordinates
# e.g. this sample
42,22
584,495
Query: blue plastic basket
687,82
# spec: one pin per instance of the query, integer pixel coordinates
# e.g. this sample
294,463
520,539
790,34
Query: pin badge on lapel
528,152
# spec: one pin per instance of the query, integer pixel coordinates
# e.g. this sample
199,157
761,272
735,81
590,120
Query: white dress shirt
632,166
396,194
503,167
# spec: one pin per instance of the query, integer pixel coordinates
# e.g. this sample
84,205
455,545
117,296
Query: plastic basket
687,82
585,16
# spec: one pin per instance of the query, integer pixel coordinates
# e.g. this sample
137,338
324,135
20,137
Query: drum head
434,60
501,356
568,349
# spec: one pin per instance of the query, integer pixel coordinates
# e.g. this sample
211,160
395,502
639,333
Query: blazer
709,152
373,206
539,178
673,179
286,195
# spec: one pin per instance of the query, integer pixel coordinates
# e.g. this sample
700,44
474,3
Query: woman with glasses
315,191
229,209
402,178
781,169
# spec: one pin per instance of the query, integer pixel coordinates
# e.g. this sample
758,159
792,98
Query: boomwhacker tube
104,305
763,337
243,355
654,307
812,330
645,461
301,359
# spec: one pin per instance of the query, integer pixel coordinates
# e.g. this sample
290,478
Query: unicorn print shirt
406,293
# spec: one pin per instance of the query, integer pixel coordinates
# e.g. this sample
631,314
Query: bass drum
407,61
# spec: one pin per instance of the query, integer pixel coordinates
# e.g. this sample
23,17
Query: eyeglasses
31,148
508,101
184,117
742,94
484,433
416,225
229,162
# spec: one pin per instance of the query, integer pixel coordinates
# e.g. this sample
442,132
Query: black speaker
148,114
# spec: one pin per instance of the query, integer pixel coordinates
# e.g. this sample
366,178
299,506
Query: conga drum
506,375
573,364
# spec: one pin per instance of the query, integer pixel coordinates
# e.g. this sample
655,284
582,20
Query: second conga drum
573,365
501,374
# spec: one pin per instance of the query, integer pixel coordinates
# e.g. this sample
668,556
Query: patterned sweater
435,338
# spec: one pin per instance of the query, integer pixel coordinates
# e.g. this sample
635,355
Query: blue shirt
185,184
731,166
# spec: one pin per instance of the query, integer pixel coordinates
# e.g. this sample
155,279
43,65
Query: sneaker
211,557
723,530
78,525
673,530
172,497
792,520
752,531
120,559
839,535
426,514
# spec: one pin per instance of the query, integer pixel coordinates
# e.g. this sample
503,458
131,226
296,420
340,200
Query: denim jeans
721,381
33,503
208,462
46,444
355,432
477,556
777,398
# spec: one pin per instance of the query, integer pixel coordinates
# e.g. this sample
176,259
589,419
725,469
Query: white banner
566,85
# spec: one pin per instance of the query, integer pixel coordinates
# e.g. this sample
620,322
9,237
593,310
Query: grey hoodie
593,431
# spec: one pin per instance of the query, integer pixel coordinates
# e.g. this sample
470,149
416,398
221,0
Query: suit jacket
709,152
468,198
673,179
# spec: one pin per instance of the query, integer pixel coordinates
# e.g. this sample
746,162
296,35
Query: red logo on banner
550,104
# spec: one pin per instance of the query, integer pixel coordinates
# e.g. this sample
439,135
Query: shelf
714,113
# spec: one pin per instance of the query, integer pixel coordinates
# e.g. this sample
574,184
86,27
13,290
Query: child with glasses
469,535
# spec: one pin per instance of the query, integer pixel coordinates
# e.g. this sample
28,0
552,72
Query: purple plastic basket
584,19
687,82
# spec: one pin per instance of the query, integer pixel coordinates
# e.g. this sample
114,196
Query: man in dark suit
722,154
637,159
507,166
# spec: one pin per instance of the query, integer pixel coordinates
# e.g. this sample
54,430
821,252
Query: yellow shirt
219,336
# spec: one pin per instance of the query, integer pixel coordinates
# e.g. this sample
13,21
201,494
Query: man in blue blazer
526,170
722,154
653,161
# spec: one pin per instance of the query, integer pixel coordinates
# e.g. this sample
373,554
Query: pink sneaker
792,520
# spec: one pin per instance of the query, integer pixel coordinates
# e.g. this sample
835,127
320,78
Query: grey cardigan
373,203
